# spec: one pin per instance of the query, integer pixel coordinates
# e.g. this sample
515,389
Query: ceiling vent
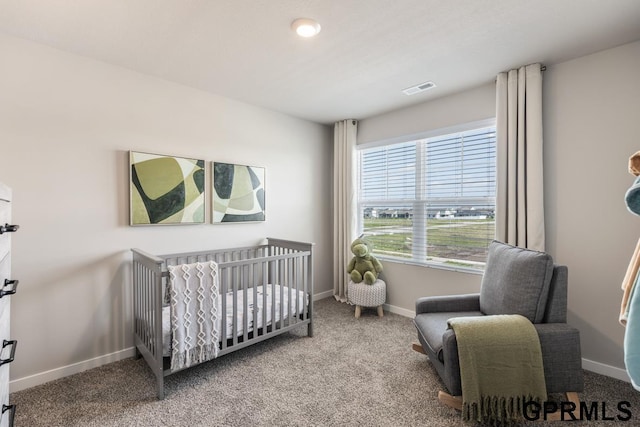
419,88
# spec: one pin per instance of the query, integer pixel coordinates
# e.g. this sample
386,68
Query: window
430,201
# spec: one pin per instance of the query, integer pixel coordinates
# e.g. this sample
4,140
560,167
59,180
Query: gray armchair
515,281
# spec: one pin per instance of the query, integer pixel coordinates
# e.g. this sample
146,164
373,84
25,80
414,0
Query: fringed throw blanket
194,311
500,366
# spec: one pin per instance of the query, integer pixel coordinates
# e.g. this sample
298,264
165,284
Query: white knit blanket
194,312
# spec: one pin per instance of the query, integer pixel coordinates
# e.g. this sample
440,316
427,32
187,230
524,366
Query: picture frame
238,193
166,190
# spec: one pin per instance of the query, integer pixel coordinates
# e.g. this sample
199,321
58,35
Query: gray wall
591,127
66,125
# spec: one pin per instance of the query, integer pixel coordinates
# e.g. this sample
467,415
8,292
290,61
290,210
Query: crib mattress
238,324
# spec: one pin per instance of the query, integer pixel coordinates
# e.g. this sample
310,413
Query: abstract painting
238,193
166,189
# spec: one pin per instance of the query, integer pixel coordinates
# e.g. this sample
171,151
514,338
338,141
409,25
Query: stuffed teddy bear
363,266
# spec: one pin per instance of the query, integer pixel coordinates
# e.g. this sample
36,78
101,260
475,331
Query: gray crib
281,268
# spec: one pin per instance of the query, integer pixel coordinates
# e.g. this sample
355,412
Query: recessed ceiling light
305,27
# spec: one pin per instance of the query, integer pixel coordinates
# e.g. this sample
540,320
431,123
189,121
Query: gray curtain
344,202
519,198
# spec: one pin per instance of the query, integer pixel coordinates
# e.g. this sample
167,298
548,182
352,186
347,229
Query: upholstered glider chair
515,281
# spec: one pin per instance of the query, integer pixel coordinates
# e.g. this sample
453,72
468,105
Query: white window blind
431,200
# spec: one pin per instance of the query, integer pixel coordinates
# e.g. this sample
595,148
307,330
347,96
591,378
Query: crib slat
295,307
287,280
273,295
265,279
224,283
293,297
234,317
245,303
254,300
305,285
300,303
289,296
280,282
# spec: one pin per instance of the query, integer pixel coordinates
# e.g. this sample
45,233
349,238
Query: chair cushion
516,281
431,326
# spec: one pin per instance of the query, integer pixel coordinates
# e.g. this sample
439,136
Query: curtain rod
542,68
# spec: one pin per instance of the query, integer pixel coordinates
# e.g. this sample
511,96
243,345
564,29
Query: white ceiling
366,53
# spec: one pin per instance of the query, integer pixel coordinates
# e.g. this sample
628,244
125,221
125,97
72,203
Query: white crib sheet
238,325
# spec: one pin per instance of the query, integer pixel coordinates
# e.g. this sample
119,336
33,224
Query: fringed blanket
500,366
194,311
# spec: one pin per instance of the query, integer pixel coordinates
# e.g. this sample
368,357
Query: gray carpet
352,372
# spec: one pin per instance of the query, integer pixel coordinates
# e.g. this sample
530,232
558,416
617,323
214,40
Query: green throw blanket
500,366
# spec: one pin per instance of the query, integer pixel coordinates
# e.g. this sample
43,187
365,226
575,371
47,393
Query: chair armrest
560,345
436,304
451,369
558,336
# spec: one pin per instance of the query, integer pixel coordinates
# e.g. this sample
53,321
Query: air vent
419,88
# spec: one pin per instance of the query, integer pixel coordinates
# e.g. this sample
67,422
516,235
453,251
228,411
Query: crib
265,290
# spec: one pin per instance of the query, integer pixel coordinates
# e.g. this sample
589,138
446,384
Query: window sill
437,266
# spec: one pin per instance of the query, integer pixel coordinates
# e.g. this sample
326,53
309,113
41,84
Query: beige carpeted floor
353,372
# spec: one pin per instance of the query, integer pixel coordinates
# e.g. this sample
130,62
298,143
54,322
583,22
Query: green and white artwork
238,193
166,189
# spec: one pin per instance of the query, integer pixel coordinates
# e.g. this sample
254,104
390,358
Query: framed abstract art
238,193
166,189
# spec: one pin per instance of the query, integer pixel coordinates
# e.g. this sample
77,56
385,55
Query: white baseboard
65,371
607,370
399,310
323,295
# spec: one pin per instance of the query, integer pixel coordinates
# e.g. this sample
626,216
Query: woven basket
367,295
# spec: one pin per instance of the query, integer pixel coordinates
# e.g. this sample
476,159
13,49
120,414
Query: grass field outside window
454,242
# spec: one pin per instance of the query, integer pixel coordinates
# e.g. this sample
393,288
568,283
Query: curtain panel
519,194
344,202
